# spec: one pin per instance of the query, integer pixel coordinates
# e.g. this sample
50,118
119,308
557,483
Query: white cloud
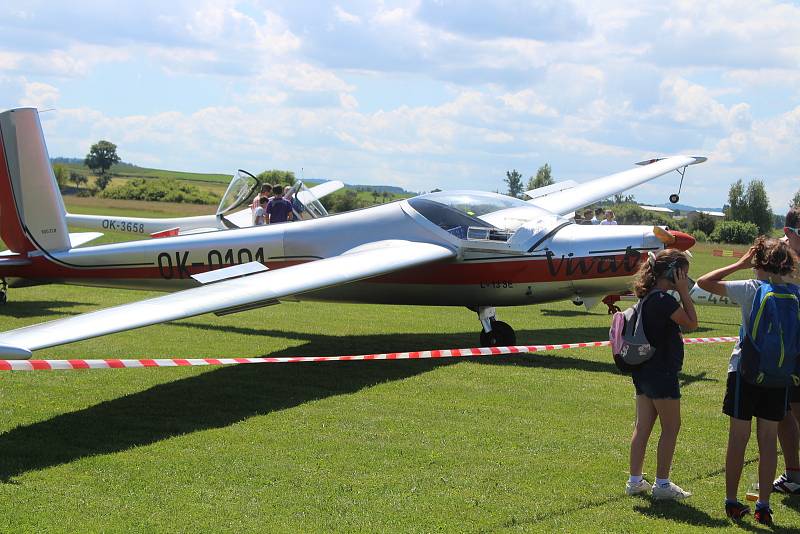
39,95
587,86
344,16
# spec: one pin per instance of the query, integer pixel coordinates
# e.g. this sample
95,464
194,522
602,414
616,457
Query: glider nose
682,241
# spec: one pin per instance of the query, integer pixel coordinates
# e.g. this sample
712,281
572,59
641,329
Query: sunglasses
795,230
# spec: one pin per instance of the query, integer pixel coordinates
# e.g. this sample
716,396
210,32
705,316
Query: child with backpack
762,365
656,380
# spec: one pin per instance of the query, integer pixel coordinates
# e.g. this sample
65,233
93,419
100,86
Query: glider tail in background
32,214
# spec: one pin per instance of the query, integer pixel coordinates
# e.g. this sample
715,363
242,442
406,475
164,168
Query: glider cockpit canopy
483,216
242,189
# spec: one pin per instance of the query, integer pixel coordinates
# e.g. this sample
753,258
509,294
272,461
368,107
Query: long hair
655,267
774,256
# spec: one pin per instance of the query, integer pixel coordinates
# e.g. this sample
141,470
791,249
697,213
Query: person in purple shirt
279,209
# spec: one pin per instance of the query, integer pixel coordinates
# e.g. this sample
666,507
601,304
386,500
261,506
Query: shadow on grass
680,512
220,397
37,308
669,510
213,399
553,360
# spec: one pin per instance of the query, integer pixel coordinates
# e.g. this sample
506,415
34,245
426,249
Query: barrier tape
59,365
727,253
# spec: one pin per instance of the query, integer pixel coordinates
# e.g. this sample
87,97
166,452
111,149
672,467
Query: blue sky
421,94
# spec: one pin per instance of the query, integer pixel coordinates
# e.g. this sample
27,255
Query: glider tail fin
32,214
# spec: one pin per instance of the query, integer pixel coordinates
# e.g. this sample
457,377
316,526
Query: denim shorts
656,383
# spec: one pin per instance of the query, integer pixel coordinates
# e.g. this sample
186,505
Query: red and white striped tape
59,365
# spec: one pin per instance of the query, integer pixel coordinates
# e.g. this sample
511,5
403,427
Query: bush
341,201
704,223
633,214
741,233
700,235
160,190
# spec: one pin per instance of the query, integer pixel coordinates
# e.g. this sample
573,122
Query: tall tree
758,206
102,155
796,199
750,204
77,178
542,178
514,180
737,208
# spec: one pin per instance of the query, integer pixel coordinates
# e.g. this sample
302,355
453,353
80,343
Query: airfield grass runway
516,443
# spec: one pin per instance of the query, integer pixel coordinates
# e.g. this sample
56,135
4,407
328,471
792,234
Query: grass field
526,443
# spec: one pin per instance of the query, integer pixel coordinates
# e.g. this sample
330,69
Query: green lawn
525,443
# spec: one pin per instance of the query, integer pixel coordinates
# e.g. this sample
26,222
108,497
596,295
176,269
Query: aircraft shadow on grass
226,395
39,308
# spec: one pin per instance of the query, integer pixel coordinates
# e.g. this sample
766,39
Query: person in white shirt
266,192
609,218
260,213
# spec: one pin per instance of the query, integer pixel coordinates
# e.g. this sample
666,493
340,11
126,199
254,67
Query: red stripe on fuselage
450,273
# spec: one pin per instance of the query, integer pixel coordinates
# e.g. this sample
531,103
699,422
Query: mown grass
526,443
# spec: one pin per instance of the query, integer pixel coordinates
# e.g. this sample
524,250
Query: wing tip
10,352
697,159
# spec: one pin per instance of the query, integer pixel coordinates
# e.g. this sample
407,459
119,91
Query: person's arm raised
685,316
713,281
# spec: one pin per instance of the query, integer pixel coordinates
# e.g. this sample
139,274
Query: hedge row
160,190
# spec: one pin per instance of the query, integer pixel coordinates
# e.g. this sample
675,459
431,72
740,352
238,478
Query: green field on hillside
533,443
133,171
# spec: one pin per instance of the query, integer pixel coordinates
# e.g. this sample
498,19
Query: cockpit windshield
304,204
241,190
477,215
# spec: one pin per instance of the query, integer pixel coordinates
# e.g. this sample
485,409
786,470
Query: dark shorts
657,383
744,400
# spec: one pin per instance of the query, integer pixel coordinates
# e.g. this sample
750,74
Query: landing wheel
612,309
3,297
502,335
674,198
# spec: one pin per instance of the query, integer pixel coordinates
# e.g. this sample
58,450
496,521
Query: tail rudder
32,213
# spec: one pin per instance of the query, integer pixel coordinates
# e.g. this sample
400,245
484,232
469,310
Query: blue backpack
770,342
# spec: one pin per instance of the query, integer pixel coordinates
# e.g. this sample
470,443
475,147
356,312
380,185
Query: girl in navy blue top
656,381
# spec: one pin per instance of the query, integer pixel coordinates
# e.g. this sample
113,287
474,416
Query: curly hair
793,217
774,256
653,269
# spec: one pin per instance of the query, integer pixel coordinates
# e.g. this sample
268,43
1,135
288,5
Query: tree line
542,178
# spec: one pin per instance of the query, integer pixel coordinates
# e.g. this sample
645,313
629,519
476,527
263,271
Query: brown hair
653,269
774,256
793,217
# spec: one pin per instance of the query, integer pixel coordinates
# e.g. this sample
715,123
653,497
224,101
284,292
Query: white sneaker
638,488
783,485
673,492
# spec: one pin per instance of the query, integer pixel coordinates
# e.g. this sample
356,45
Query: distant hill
129,170
684,207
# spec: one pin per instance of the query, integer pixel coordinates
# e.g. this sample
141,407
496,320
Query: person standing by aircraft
260,215
656,380
595,218
772,261
609,218
279,209
789,427
266,191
